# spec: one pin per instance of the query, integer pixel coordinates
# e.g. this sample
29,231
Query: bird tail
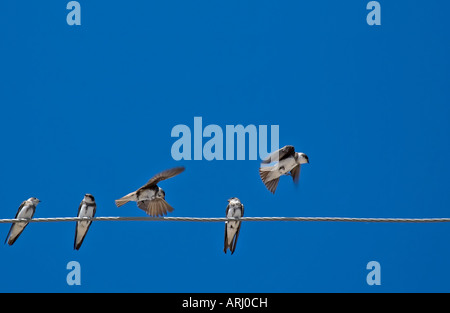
266,168
129,197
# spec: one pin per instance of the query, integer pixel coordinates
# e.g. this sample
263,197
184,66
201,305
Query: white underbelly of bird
281,168
233,226
17,228
86,211
147,194
82,226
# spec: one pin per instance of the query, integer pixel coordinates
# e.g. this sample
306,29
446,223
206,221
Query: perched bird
25,211
234,209
150,197
86,209
288,163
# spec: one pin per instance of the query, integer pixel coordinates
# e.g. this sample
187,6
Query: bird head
302,158
34,200
89,198
234,199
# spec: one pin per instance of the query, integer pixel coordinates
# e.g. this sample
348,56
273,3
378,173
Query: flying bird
288,162
86,209
26,211
234,209
150,197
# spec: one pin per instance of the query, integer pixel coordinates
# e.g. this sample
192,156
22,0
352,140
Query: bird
87,208
26,211
151,197
288,162
234,209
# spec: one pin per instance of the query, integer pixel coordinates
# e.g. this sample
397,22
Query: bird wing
228,208
280,154
15,233
235,239
79,208
295,173
17,214
20,208
225,246
162,176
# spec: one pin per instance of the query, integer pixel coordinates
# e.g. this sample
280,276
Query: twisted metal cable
224,219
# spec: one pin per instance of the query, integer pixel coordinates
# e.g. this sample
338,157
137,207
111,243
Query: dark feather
162,176
295,173
280,154
225,246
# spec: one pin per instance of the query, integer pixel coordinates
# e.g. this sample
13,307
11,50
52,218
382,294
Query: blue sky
90,109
